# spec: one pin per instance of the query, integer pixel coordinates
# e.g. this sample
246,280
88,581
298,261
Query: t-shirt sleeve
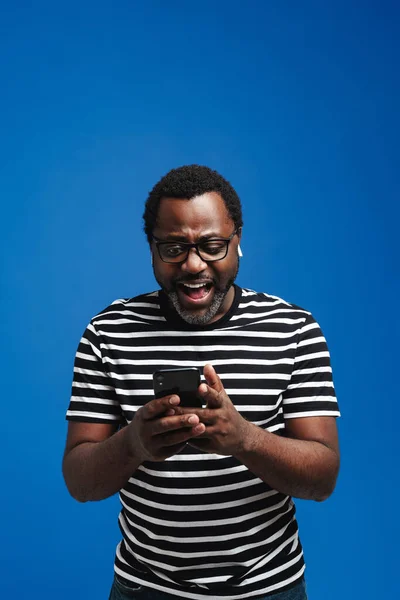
93,397
311,391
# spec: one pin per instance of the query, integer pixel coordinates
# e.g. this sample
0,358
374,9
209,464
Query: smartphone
184,382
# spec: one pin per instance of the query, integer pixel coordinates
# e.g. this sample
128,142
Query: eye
173,250
213,247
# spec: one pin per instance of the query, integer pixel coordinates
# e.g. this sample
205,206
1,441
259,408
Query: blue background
297,104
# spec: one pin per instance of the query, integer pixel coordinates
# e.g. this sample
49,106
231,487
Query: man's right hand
158,430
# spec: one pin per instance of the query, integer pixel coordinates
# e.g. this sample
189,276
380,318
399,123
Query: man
206,493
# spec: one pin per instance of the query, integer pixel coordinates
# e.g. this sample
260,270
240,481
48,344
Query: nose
193,263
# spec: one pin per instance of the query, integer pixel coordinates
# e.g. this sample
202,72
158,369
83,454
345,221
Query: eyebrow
180,238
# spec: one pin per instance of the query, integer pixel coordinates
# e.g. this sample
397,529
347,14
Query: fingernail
192,419
174,400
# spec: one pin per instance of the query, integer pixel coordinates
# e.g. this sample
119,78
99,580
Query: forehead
201,215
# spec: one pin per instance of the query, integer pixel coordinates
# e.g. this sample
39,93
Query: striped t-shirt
201,525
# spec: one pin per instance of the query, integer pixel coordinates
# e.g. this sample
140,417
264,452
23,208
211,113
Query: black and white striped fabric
201,525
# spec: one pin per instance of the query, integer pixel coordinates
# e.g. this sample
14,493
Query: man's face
201,292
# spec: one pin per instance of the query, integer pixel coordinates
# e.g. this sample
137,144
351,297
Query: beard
193,318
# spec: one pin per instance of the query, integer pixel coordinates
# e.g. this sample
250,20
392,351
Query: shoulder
121,304
270,304
142,308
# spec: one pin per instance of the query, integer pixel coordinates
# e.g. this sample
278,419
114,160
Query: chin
202,317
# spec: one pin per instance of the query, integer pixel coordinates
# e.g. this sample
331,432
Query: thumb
214,387
212,378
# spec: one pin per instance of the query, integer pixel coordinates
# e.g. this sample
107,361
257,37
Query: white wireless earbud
240,253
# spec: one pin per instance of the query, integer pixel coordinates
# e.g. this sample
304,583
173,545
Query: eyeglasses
209,250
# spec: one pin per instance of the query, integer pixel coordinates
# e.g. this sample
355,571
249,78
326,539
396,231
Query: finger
175,443
215,398
159,406
178,410
172,438
206,415
212,378
168,424
212,397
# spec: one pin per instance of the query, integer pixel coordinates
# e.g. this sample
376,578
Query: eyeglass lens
209,251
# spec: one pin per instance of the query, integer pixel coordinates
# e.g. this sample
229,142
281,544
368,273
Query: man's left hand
225,427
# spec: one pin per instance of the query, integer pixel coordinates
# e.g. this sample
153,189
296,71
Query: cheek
163,272
227,270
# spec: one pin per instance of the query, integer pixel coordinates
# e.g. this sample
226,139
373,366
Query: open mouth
196,291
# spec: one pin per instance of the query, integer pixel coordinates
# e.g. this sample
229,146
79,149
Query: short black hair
187,182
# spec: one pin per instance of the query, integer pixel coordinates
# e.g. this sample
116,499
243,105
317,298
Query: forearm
301,468
97,470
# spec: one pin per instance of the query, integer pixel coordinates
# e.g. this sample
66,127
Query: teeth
194,285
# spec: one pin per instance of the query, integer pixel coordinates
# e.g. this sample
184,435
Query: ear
239,234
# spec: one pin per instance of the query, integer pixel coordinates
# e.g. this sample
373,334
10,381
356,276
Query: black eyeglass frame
189,246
